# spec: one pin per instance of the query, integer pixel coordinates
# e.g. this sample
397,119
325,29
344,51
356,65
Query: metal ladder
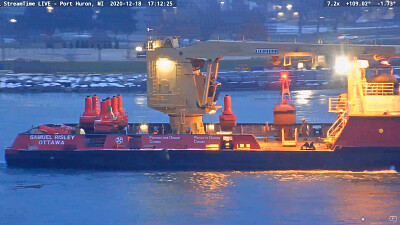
336,129
153,76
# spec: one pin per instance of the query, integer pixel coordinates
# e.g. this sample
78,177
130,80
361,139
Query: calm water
42,196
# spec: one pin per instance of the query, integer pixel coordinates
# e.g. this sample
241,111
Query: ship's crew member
189,130
304,129
162,129
266,130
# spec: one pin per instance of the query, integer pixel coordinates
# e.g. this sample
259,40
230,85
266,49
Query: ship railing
337,105
378,88
337,127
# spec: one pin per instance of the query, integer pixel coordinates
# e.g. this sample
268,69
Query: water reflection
140,100
303,96
371,202
213,194
331,196
210,181
209,191
389,176
273,197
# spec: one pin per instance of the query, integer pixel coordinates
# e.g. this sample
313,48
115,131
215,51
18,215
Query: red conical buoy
86,121
284,111
103,108
227,105
114,105
106,123
109,107
227,120
95,104
88,106
122,114
120,109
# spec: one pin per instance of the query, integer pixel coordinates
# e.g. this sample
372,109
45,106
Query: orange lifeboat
55,129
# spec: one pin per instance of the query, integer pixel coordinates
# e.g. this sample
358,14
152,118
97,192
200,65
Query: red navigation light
284,75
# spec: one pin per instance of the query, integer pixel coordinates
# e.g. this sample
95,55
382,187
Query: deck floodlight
164,63
342,65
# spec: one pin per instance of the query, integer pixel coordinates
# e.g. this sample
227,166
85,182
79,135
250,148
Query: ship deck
277,146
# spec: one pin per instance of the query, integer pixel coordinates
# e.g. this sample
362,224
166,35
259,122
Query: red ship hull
370,131
354,159
195,152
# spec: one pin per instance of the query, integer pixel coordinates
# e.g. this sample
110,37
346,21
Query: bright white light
280,14
342,65
49,9
222,3
13,20
164,63
144,128
295,13
363,63
300,65
139,48
213,111
211,127
289,7
384,62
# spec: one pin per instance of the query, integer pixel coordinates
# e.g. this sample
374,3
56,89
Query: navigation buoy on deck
95,104
86,121
227,120
121,111
106,123
114,105
284,111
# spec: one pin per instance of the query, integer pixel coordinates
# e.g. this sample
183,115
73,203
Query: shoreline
117,82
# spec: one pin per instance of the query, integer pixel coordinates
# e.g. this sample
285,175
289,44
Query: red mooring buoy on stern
227,120
121,111
120,108
95,104
114,105
88,106
106,123
86,121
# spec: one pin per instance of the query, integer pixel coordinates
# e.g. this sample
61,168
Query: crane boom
212,49
177,85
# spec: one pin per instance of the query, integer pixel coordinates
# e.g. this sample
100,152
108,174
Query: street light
139,48
49,9
13,20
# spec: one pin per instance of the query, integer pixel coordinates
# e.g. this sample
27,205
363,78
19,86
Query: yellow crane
177,86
